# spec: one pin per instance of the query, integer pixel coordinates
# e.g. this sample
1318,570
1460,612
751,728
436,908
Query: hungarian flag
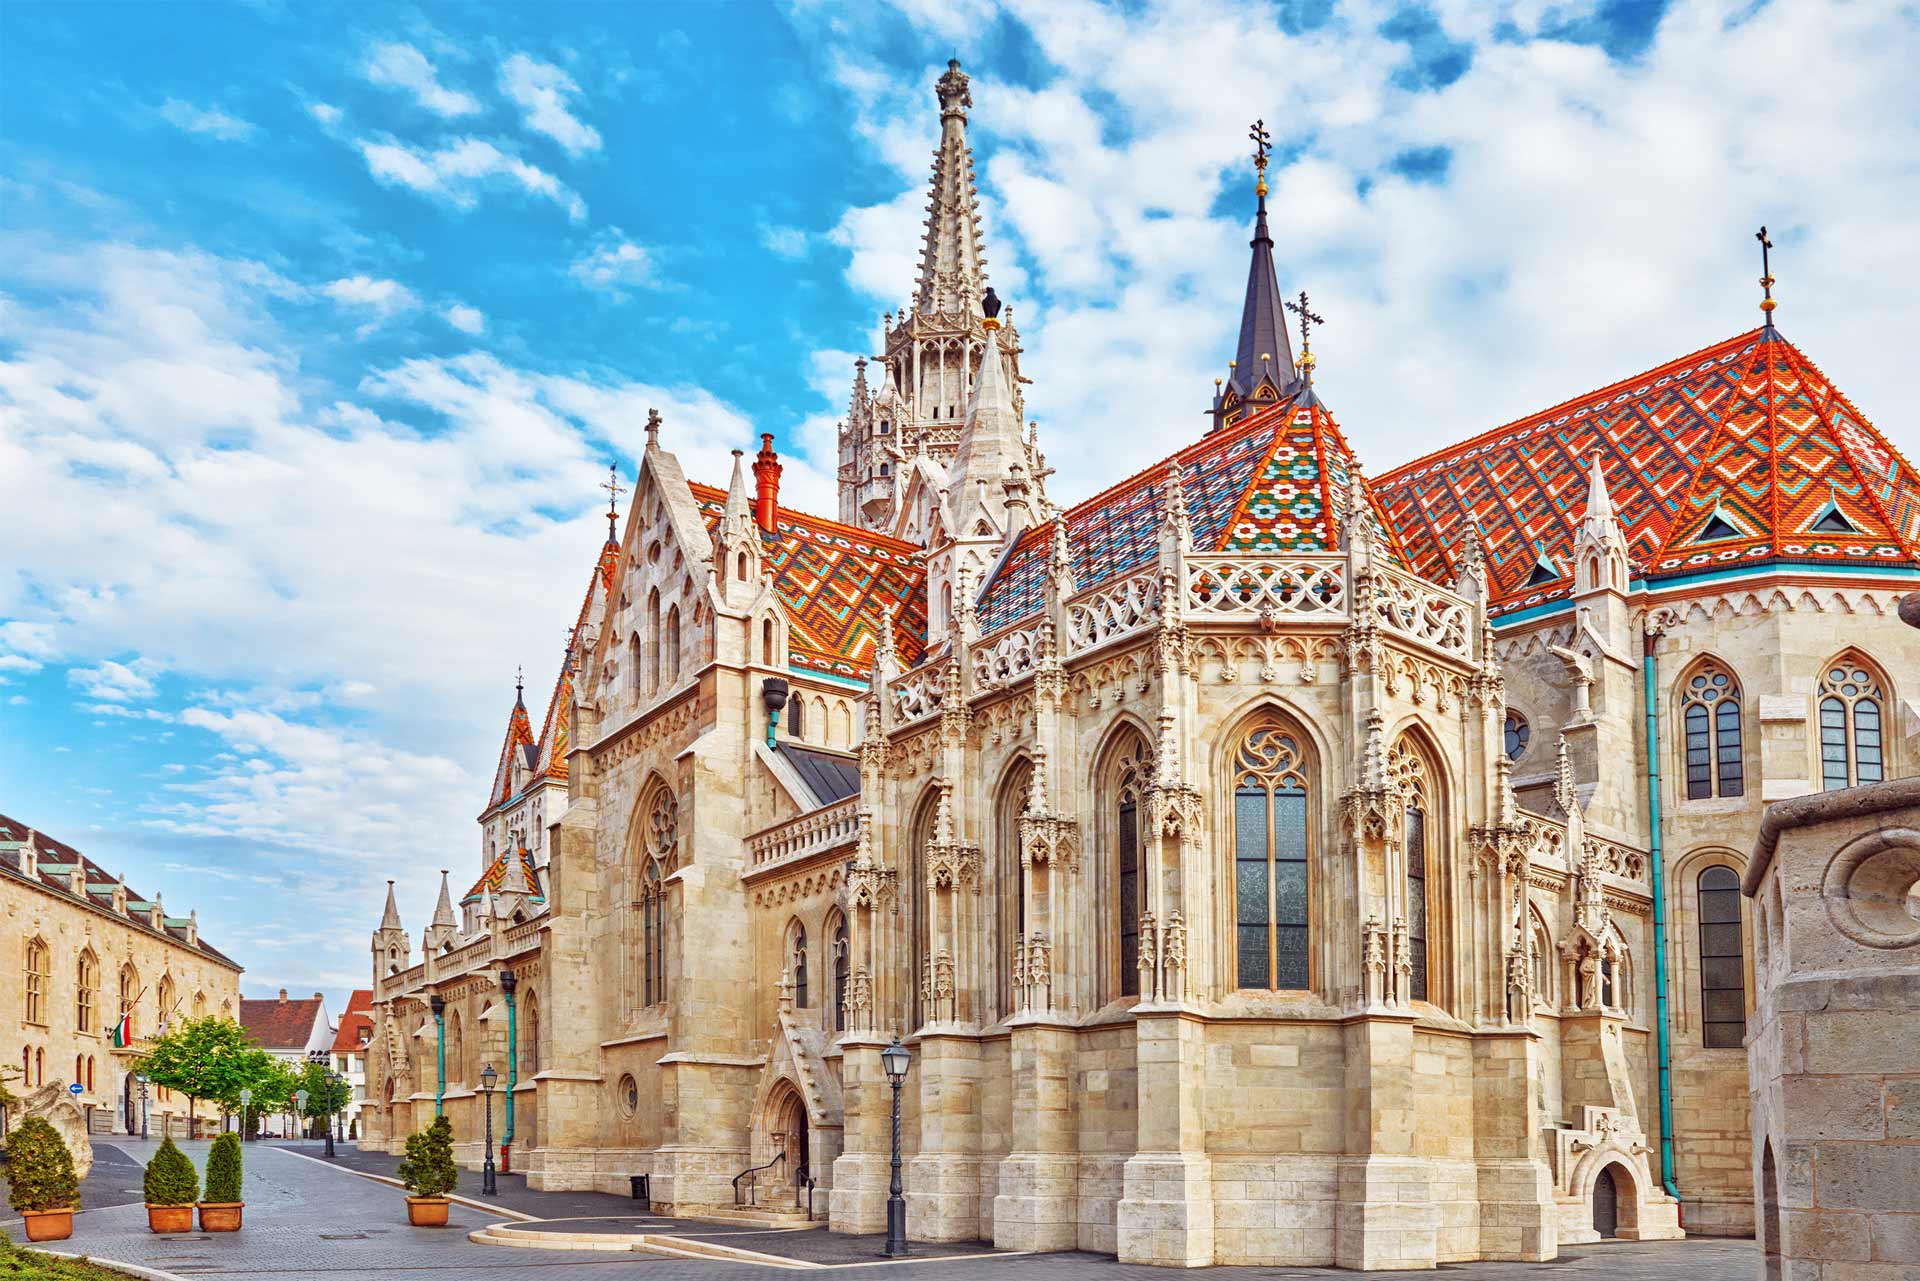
123,1031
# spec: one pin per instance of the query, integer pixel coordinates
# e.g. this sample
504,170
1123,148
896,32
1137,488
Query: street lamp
246,1101
895,1059
142,1078
489,1186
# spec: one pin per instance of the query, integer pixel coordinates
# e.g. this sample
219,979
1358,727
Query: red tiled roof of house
280,1023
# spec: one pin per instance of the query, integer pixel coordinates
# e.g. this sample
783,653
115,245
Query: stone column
1036,1208
1166,1209
1516,1187
1385,1214
943,1179
857,1202
571,1090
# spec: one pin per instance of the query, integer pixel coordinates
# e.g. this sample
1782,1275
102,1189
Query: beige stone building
84,951
1264,865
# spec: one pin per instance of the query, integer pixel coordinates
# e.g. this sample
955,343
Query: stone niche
1835,1047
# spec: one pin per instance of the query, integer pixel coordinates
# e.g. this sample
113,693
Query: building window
673,645
1127,875
839,936
663,834
1413,781
1518,735
629,1095
129,996
796,718
1270,860
1851,703
1710,713
39,967
87,977
40,1066
799,966
1723,977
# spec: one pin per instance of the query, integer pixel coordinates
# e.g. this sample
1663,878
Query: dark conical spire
1264,354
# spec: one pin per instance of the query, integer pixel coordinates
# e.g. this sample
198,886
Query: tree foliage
39,1168
223,1169
326,1093
209,1058
428,1169
171,1179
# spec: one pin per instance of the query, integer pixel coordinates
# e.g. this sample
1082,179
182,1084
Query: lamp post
333,1102
489,1186
142,1078
895,1059
246,1102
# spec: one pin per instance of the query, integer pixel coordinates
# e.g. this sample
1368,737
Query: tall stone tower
909,416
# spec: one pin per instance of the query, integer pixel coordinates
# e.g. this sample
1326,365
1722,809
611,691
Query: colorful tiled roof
100,884
1740,454
519,738
835,582
1273,482
496,875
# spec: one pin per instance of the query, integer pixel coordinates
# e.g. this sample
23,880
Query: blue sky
320,324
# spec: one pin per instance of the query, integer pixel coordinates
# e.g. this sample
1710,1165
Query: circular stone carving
1872,888
629,1095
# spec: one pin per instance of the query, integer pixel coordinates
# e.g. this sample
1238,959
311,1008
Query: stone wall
1835,1042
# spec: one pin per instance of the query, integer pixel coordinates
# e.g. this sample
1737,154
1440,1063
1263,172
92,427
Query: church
1265,861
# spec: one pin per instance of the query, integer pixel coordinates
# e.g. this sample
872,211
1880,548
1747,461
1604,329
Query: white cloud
211,121
117,682
614,265
383,296
783,242
467,320
18,700
401,66
458,171
325,112
544,92
125,713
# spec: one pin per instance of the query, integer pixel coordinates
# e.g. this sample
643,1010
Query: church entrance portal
1606,1204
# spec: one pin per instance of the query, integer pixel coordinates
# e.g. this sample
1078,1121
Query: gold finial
1767,303
1262,144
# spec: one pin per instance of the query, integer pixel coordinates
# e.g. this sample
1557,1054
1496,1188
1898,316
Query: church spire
389,920
952,271
1264,356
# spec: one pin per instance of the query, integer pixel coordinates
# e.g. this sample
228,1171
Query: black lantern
489,1184
894,1059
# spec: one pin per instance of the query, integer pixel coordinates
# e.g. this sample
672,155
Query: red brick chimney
766,484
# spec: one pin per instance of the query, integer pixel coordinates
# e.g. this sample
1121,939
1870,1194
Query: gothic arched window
39,970
798,947
672,644
1012,913
796,719
837,938
1723,976
129,993
1710,712
1408,769
87,978
166,1003
1852,703
456,1048
1517,734
529,1032
1270,847
653,641
662,835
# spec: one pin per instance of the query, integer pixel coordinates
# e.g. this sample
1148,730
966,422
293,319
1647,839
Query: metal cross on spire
1262,145
1307,319
614,489
1766,274
519,682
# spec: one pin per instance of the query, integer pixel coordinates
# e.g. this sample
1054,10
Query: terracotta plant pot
166,1219
220,1216
48,1225
427,1211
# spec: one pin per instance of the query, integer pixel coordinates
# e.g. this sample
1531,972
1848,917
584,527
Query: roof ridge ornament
613,486
1307,319
1767,303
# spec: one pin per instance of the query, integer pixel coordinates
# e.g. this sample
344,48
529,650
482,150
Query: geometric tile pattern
1274,481
496,875
519,737
1747,429
835,582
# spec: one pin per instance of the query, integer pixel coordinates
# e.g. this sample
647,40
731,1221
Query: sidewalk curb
131,1269
469,1202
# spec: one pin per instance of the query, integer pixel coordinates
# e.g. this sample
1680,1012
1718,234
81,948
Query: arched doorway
789,1134
1606,1204
132,1104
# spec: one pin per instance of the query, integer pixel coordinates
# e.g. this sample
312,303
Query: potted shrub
171,1188
40,1181
429,1174
220,1212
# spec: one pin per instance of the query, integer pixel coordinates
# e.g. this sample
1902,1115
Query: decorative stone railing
1004,656
1227,587
1423,612
918,692
1621,860
522,934
1111,611
802,837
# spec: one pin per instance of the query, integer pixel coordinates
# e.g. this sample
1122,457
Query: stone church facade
1264,864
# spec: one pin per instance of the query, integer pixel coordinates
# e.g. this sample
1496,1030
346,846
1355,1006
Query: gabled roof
556,730
496,876
281,1023
99,884
831,776
1275,481
356,1025
519,738
835,582
1735,455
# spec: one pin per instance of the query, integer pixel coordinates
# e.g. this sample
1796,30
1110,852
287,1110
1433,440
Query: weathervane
614,489
519,682
1766,275
1262,144
1307,319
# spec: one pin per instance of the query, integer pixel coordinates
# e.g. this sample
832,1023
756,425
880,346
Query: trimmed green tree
223,1170
428,1169
39,1168
209,1058
326,1093
171,1179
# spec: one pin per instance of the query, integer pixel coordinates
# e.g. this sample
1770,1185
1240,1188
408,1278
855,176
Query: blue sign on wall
76,1088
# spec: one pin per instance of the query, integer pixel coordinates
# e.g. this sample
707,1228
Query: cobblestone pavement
307,1222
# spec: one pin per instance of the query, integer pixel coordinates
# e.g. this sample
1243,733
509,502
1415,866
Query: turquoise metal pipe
1656,859
513,1064
440,1055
